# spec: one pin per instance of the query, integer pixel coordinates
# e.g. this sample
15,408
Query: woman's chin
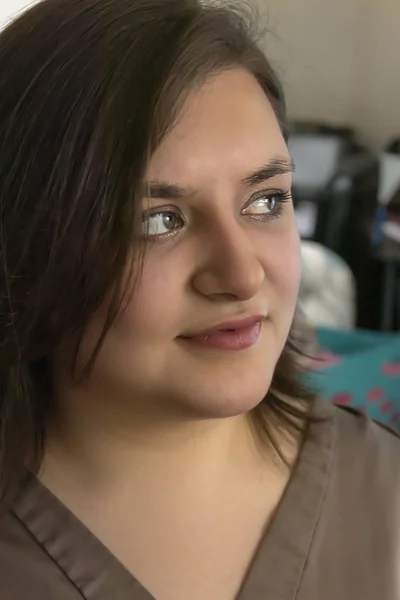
225,401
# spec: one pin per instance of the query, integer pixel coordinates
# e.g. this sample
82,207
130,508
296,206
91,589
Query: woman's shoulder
362,460
355,547
352,436
366,459
355,428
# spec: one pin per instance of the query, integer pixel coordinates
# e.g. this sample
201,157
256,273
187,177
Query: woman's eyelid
160,206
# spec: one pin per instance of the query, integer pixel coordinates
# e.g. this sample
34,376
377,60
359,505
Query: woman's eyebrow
277,166
171,191
164,190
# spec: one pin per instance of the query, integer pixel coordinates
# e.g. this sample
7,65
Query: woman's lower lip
237,339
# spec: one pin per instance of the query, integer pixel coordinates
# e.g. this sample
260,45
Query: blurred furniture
335,188
389,254
327,291
361,369
386,235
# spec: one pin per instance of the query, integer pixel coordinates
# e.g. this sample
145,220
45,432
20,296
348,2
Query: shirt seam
48,554
320,506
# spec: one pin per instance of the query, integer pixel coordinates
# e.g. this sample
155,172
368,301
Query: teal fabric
361,369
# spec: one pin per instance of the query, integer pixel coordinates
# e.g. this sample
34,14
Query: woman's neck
103,452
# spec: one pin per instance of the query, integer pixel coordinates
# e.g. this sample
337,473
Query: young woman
155,440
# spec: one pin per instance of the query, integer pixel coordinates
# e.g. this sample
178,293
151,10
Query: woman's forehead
227,125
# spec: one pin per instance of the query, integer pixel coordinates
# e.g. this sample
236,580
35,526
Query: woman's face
223,247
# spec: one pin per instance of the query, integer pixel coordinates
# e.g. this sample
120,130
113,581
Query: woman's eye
264,205
161,223
268,205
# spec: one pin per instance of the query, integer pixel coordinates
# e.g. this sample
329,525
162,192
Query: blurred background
340,66
340,62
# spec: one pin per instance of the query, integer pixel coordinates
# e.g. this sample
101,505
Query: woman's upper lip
235,324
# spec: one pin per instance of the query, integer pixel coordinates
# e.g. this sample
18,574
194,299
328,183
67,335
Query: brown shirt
335,535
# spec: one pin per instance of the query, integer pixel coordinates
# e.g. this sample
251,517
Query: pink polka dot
395,417
341,398
391,368
375,394
387,407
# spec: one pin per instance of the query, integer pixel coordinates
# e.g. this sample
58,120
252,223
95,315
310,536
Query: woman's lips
237,335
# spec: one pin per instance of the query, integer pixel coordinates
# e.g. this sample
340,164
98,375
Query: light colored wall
340,62
314,49
10,8
379,79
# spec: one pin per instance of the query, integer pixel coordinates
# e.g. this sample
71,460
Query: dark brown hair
88,88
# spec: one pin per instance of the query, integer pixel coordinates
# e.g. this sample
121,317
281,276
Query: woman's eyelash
280,196
284,196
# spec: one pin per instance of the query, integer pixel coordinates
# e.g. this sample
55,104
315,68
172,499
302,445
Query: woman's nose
230,267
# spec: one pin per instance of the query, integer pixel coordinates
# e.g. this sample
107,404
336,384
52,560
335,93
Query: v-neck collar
279,562
85,561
